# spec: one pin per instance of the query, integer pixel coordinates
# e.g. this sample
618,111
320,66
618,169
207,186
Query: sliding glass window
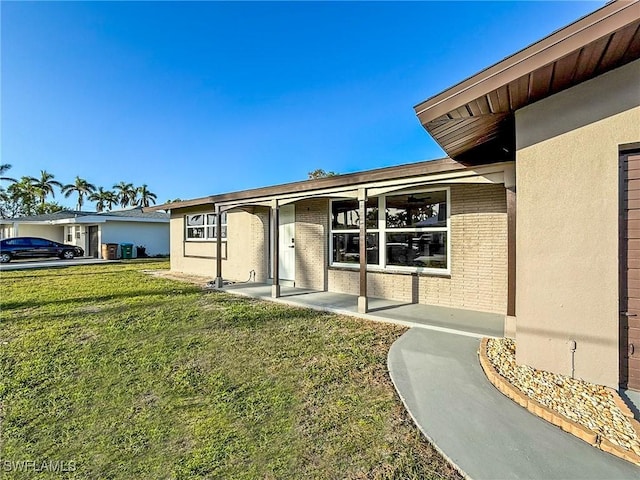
407,231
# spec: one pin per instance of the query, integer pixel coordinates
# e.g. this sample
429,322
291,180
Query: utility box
110,251
126,250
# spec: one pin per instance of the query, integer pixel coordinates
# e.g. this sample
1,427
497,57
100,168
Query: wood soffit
474,119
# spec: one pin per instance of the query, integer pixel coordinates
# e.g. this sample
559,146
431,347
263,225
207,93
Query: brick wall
312,243
478,277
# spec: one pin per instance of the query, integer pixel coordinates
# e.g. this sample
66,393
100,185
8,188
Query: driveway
49,263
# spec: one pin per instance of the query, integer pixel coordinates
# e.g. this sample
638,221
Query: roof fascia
180,204
136,220
407,170
464,175
603,21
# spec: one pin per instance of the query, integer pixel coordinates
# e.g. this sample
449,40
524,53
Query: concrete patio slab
482,432
465,322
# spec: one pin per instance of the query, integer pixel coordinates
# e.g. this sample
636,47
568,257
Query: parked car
32,247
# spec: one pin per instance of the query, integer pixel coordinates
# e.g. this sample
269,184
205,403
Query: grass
133,376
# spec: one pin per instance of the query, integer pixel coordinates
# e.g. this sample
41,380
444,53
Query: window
19,242
202,226
345,231
406,231
40,242
416,233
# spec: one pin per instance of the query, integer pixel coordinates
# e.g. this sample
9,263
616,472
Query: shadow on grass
231,311
97,298
33,273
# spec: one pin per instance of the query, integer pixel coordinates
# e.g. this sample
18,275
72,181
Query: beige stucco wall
478,279
246,248
567,224
50,232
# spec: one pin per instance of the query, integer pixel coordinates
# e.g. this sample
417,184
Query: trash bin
126,250
109,251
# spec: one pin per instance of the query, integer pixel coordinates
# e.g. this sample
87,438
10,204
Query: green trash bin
126,250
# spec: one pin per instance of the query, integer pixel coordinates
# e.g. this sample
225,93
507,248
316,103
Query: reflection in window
417,210
345,214
203,226
417,249
346,248
407,230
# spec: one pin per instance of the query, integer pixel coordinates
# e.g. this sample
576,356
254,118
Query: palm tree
3,169
24,194
126,193
44,185
146,197
103,198
110,199
81,187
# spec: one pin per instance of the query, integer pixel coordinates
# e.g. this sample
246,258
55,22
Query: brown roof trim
351,179
589,28
180,204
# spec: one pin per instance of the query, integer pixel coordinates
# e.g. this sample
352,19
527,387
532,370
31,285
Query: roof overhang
384,179
307,186
84,220
474,121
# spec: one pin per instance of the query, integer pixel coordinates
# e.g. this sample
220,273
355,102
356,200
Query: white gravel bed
585,403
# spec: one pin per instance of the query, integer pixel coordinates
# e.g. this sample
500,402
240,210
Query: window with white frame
345,233
404,231
202,226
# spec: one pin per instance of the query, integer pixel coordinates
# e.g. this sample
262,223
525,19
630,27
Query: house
91,229
534,214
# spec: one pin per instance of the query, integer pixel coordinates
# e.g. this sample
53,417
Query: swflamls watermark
55,466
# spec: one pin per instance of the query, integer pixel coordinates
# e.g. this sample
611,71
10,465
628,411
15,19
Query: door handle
632,349
628,314
292,246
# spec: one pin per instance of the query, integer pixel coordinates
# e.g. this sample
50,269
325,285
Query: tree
81,187
44,185
21,198
7,204
3,169
320,173
48,207
126,193
146,197
104,199
110,199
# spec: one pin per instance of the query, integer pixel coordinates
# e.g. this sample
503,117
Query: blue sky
201,98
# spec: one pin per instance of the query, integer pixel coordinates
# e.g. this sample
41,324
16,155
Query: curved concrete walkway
482,432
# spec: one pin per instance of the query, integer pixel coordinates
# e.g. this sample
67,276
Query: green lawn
131,376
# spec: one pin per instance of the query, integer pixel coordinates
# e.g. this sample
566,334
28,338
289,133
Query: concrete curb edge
555,418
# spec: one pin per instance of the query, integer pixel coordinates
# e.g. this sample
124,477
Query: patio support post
275,255
511,250
363,305
218,282
510,187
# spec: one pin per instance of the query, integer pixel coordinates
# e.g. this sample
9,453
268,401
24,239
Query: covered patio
445,319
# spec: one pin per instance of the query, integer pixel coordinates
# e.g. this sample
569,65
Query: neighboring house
552,133
90,229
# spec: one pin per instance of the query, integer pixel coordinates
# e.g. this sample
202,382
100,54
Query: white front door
287,250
